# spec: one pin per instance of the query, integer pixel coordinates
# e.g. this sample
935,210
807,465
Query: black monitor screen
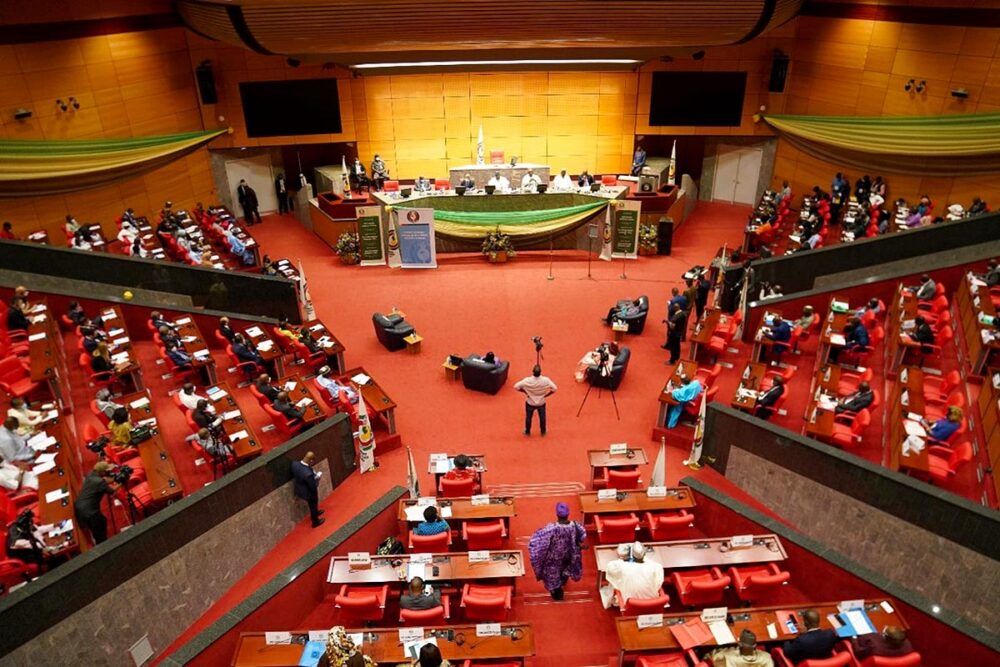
301,106
697,98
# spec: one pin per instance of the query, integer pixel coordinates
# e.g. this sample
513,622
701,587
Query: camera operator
25,542
98,483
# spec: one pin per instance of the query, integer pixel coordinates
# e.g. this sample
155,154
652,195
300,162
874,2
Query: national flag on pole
672,168
412,480
305,299
392,241
366,439
699,435
345,176
480,151
659,475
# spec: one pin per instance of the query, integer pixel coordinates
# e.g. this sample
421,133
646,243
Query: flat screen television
300,106
697,98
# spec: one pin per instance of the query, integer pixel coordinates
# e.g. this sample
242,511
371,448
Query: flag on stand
412,479
480,151
699,435
366,439
345,176
659,475
305,300
672,168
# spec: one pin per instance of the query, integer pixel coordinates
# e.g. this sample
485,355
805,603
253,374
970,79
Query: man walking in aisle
306,486
536,388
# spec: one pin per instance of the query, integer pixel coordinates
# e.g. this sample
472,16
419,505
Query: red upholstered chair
697,588
944,463
487,535
616,529
665,526
316,360
15,379
249,368
937,389
261,398
752,582
469,663
96,378
14,572
486,603
362,603
693,408
938,410
662,660
933,351
285,424
847,432
602,480
434,616
442,184
496,157
707,376
838,660
609,180
637,606
849,381
428,544
97,413
623,479
457,488
391,186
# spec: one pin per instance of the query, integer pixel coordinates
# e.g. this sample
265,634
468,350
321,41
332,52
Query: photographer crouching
102,481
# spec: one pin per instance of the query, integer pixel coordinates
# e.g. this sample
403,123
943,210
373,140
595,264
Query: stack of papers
202,354
36,336
721,632
290,385
120,358
216,393
361,378
914,428
255,331
304,402
231,414
116,332
41,441
265,345
838,339
856,622
139,403
239,435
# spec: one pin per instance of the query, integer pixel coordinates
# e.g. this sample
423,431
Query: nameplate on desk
488,630
273,638
741,541
649,621
482,556
607,494
904,375
438,457
319,636
420,559
36,336
713,614
848,605
483,499
411,634
183,320
886,607
656,492
618,449
359,559
425,501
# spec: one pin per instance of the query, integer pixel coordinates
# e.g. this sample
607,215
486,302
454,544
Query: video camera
98,446
537,340
121,474
25,522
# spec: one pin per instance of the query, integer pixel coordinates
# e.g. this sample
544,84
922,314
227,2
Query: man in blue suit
812,644
307,486
780,332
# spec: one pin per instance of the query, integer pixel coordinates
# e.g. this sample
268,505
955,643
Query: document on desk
721,632
239,435
412,649
215,393
414,512
56,496
139,403
44,467
41,441
303,402
36,336
361,378
231,414
914,428
691,633
415,570
837,339
859,622
290,385
255,331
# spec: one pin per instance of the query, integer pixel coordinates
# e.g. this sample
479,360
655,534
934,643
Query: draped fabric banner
416,239
952,144
370,235
476,224
50,167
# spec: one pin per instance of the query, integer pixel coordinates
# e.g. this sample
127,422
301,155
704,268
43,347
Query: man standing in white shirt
562,181
536,389
530,181
499,182
633,575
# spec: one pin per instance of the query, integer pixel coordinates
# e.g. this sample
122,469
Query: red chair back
457,488
615,530
484,606
838,660
638,606
441,184
496,157
360,606
483,536
424,544
908,660
391,186
421,617
609,180
669,526
623,479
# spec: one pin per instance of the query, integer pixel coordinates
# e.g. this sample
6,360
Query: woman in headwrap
554,550
342,652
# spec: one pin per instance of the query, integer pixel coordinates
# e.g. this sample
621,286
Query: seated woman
120,428
944,428
286,329
684,394
624,308
100,358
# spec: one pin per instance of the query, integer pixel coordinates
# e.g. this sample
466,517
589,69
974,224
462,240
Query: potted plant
498,247
349,248
647,239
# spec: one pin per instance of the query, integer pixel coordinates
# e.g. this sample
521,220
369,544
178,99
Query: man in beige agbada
633,574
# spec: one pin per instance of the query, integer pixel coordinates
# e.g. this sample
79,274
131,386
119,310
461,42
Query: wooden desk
268,349
462,509
196,346
689,368
973,301
378,401
705,328
330,344
989,415
478,465
910,383
119,342
505,564
711,552
456,642
313,412
602,458
64,476
164,482
634,640
760,339
47,356
678,498
752,380
819,422
222,401
833,326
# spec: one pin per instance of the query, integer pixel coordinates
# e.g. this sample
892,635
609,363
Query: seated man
857,401
188,398
766,400
813,644
467,182
624,308
926,290
638,161
76,313
530,181
264,386
419,597
214,447
245,351
226,329
922,332
992,275
744,654
204,415
499,182
159,321
380,172
14,447
283,405
780,331
27,419
25,541
585,180
463,470
806,320
432,523
562,181
326,379
16,318
855,336
170,338
890,643
633,575
179,357
104,403
358,177
422,185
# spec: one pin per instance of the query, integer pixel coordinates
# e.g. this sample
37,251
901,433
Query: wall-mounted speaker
206,83
779,70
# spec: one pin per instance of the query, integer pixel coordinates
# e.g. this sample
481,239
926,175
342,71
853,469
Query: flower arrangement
647,239
348,247
498,247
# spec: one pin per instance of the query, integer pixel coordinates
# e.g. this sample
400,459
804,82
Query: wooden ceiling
353,31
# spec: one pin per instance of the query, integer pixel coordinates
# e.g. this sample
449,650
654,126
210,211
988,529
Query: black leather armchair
637,321
614,378
483,376
391,330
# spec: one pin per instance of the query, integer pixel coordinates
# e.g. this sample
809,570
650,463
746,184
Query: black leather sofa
391,330
483,376
637,321
614,378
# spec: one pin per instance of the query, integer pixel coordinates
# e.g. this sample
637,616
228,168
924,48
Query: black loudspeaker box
779,70
206,83
664,236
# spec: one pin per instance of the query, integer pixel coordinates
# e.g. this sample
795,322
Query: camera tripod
604,371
